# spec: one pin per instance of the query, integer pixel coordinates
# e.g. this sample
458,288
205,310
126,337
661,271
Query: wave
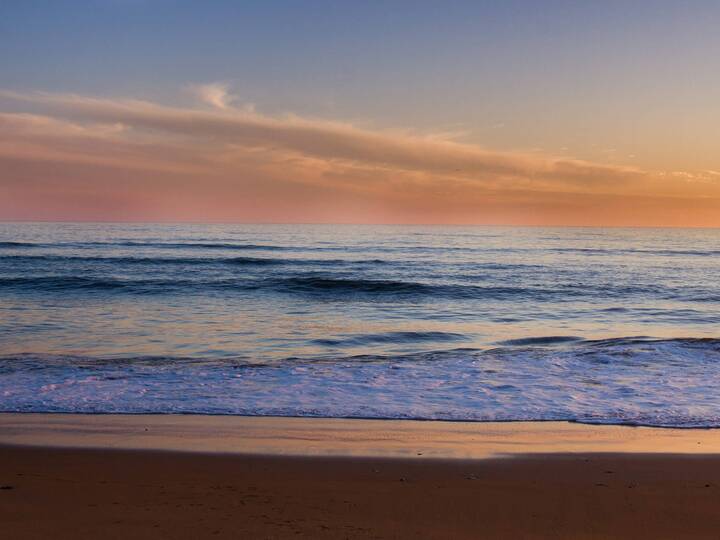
192,245
635,381
122,260
391,338
621,348
545,340
311,284
624,251
70,283
17,245
145,244
297,284
230,246
325,286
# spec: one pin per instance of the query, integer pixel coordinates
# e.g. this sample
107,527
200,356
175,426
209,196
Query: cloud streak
364,175
215,94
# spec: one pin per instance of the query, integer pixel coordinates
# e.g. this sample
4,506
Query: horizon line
350,224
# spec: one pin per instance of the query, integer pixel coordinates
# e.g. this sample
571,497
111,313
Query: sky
511,113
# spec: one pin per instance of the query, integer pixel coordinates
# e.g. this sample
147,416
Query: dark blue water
601,325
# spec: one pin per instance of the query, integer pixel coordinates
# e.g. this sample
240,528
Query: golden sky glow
515,112
82,158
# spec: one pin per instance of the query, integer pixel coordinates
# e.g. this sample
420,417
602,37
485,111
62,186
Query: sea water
454,323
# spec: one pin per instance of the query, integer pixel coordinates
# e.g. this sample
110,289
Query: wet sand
119,481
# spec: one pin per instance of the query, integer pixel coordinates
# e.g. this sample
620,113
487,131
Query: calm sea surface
481,323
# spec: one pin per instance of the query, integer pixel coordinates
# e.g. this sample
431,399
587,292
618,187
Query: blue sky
512,74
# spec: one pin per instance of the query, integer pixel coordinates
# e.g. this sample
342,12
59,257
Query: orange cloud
73,155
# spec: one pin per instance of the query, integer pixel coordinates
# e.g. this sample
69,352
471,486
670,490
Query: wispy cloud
365,174
215,94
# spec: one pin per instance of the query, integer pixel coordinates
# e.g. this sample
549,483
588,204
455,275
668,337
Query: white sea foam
624,381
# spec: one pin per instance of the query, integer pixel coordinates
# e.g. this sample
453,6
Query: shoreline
259,435
187,477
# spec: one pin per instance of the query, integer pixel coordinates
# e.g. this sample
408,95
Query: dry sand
119,481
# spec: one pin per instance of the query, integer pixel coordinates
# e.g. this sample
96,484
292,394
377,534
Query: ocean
592,325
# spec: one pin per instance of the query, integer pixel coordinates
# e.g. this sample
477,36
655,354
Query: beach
368,270
147,476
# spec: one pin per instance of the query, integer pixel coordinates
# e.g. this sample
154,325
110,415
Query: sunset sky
514,112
